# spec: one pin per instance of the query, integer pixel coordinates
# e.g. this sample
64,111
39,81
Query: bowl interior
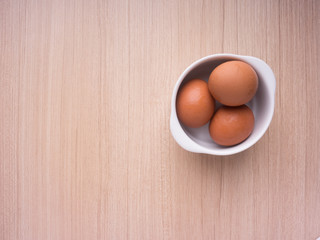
260,105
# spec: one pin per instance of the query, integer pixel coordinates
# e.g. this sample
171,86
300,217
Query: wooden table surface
85,146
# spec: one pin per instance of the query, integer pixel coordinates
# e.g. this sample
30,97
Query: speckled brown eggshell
231,125
233,83
195,105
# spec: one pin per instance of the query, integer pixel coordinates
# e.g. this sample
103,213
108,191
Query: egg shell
233,83
231,125
195,105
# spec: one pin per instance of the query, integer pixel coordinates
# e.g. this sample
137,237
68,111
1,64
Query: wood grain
85,147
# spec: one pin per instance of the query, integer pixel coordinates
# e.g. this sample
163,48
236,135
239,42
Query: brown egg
195,105
231,125
233,83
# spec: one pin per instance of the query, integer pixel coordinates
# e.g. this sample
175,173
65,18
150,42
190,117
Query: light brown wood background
85,147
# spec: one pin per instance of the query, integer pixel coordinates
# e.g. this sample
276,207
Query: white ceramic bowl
198,139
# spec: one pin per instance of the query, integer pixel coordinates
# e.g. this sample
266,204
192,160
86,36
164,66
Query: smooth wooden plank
85,146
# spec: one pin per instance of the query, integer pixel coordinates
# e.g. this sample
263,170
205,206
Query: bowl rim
188,143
